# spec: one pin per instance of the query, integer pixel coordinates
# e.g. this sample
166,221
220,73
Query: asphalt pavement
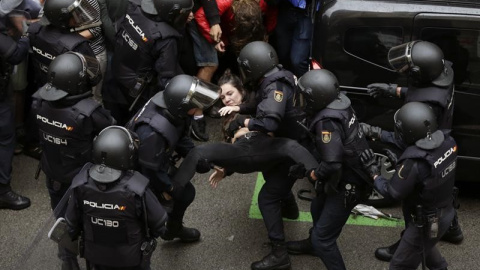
233,235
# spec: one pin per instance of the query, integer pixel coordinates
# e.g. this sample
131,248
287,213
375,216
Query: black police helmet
68,13
415,121
174,12
424,60
185,92
70,74
255,60
114,150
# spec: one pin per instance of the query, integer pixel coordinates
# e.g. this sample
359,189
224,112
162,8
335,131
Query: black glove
297,171
391,156
203,166
382,90
371,131
237,122
369,162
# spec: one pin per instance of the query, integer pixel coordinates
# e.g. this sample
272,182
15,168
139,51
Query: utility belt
147,248
428,220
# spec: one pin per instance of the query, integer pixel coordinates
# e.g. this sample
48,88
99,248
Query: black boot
176,229
386,253
277,259
302,246
454,233
290,208
12,200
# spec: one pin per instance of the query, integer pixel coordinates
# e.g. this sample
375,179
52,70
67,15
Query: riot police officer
11,53
68,118
52,35
275,112
146,53
432,82
424,180
339,179
161,128
121,236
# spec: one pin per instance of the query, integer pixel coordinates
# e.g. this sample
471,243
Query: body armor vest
47,42
66,136
289,128
442,97
112,224
436,190
135,56
354,143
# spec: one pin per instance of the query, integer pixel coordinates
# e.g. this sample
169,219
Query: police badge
278,96
326,136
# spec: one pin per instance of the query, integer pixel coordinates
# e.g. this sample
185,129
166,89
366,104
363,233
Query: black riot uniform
146,55
47,42
11,53
68,119
424,181
275,112
161,128
340,179
112,208
431,82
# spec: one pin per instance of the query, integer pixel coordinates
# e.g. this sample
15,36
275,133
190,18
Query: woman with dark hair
243,151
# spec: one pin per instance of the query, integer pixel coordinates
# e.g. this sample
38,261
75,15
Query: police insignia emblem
278,96
326,136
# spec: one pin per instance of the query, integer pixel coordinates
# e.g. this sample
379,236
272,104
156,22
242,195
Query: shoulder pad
86,106
82,177
138,183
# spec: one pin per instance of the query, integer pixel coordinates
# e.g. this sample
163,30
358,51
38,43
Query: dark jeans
7,141
294,35
409,252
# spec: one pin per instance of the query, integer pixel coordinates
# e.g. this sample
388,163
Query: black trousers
272,156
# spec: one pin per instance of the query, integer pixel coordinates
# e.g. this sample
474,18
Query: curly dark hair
248,25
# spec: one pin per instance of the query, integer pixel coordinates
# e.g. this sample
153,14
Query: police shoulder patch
326,136
278,96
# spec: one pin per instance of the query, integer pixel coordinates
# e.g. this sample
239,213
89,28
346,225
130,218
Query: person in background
11,53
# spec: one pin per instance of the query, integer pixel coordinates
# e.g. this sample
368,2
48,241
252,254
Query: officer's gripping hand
391,156
297,171
371,132
369,162
237,122
382,90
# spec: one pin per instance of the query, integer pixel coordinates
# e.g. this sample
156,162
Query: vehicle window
462,47
372,43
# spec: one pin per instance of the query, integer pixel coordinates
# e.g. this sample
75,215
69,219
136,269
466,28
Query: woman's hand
228,110
220,47
216,176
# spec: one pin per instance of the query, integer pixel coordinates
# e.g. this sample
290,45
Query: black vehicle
352,39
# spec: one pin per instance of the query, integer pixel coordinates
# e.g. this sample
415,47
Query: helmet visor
202,94
400,57
91,68
398,127
83,12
